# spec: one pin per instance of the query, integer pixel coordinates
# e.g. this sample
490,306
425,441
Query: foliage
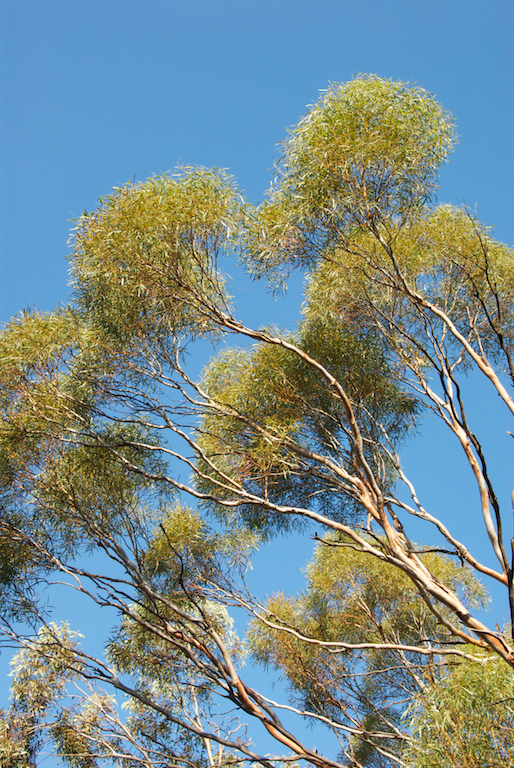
367,153
147,491
39,670
145,263
352,600
275,398
467,718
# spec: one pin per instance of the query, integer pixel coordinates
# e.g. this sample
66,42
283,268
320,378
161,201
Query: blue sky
98,92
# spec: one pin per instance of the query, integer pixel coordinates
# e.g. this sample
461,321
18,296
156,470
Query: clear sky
98,92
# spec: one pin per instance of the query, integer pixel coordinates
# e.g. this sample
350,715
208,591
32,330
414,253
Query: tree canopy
148,490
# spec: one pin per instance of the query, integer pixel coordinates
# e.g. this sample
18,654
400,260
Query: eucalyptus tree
147,490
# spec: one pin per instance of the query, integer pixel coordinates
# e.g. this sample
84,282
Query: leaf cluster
445,257
465,718
145,263
276,414
366,155
354,599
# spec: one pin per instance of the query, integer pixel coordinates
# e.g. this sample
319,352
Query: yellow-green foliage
270,396
466,718
370,135
353,584
184,551
15,737
354,598
447,257
41,669
50,372
34,348
145,261
77,734
35,408
185,563
60,482
368,151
